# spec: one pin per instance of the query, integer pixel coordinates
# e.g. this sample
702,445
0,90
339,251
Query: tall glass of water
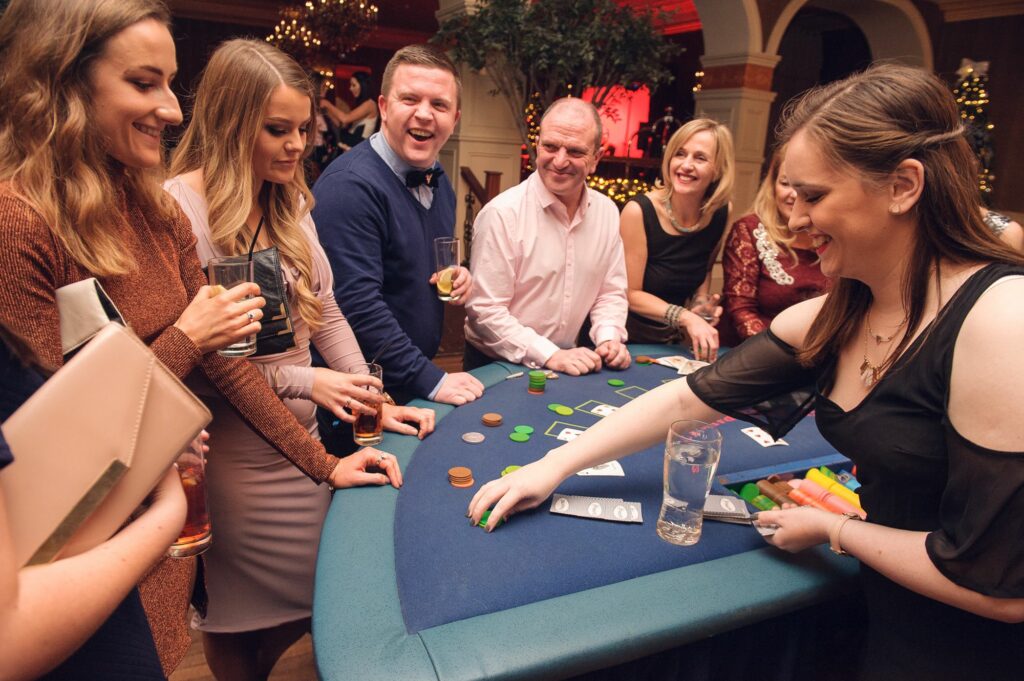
692,450
224,273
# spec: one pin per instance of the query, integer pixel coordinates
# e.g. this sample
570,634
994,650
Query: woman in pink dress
767,267
239,166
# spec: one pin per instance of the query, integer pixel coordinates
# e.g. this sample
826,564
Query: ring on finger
251,316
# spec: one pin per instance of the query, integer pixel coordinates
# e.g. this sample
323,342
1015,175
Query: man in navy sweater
379,208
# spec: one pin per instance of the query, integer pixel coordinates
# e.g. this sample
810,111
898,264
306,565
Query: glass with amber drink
447,255
197,534
369,428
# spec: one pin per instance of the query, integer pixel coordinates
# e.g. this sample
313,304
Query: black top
917,473
677,265
122,649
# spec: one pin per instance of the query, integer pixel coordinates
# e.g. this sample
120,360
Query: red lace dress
761,280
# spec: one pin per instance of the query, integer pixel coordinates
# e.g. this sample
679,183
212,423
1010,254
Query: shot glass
224,273
447,256
692,450
197,533
369,428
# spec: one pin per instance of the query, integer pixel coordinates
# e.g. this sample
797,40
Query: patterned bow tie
429,177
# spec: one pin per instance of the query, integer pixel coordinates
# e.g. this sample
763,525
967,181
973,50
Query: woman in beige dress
239,166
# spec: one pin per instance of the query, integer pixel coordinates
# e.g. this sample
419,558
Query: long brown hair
868,124
719,192
48,147
227,116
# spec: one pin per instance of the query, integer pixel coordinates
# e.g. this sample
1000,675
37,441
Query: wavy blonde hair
49,149
766,207
719,192
227,116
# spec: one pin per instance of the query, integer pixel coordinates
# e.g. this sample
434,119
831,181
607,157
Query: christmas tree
971,94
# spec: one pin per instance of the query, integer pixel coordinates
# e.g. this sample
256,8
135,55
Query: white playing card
599,508
569,434
604,410
762,438
612,468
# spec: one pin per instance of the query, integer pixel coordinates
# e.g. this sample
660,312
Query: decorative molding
970,10
758,59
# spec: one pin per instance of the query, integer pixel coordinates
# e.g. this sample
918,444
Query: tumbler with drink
447,255
197,534
369,428
692,450
224,273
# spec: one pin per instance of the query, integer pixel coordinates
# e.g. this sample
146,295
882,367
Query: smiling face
847,220
282,137
131,95
565,151
692,168
419,113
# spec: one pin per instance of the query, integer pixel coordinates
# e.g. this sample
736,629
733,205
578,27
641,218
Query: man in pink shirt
546,255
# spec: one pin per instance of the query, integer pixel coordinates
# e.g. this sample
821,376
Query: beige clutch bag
91,444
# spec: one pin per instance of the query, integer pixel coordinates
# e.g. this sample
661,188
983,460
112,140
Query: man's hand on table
614,354
399,419
574,361
459,388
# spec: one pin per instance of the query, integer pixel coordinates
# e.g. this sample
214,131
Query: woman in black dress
912,363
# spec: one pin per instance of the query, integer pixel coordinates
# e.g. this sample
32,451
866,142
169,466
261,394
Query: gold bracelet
837,527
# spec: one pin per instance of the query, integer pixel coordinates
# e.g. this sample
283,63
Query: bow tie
429,177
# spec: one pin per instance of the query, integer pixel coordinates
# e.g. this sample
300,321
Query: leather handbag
85,308
276,333
91,443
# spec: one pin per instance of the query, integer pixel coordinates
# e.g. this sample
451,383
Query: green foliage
557,47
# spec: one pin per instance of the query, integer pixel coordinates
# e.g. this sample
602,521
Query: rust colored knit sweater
34,264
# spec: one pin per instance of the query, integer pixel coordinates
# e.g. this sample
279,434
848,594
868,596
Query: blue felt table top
448,570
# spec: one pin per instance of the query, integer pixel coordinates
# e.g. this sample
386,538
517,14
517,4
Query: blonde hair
719,192
867,124
766,207
227,116
49,149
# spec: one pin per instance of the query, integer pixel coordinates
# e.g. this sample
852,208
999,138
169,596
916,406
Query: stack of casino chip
460,476
538,379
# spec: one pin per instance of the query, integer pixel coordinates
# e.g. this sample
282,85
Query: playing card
682,365
726,509
761,437
569,434
599,508
604,410
612,468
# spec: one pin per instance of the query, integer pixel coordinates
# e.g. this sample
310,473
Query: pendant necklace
666,203
870,373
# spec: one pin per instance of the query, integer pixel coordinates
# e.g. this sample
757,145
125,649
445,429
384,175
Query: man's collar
398,166
547,199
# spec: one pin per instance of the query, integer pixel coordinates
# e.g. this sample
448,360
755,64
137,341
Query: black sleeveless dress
918,473
676,265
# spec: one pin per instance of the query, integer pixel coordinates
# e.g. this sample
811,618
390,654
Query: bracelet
672,313
837,527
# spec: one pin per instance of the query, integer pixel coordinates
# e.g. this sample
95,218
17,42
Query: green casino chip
526,430
519,437
616,382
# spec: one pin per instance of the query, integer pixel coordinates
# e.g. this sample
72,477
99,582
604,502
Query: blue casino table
407,589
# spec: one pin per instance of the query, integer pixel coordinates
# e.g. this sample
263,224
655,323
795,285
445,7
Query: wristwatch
837,527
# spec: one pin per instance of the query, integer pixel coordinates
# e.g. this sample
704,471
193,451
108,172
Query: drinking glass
692,450
224,273
447,256
197,534
369,428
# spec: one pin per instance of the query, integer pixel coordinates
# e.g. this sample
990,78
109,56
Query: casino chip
509,469
526,430
518,437
459,476
644,359
616,382
491,419
563,410
473,438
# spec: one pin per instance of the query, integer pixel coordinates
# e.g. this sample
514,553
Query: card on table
761,437
600,508
612,468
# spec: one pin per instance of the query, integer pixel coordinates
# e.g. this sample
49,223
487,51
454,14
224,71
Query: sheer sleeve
760,382
981,519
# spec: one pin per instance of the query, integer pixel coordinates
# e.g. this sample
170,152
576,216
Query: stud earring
894,209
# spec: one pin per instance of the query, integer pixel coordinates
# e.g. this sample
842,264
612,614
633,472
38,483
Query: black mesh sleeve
980,543
761,382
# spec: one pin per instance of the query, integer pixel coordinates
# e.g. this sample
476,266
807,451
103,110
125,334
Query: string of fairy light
972,99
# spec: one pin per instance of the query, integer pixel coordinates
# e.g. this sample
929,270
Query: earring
894,209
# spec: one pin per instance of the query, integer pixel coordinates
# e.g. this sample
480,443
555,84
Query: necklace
666,203
869,373
883,339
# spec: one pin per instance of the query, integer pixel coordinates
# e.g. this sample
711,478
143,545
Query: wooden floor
297,662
